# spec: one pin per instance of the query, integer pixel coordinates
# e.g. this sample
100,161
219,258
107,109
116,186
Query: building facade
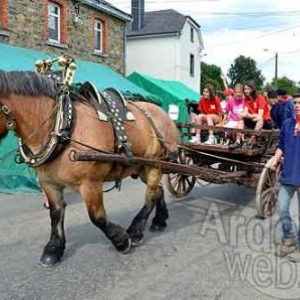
93,30
167,45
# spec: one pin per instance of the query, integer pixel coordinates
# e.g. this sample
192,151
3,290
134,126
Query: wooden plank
218,148
166,167
262,133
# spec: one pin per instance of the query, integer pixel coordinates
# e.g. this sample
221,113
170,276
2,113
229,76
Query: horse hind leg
161,214
154,198
54,249
93,195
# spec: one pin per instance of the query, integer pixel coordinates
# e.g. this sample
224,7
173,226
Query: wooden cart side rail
260,133
222,149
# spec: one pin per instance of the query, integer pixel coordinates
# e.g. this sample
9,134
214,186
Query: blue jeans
286,193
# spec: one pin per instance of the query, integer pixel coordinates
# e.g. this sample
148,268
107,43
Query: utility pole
276,69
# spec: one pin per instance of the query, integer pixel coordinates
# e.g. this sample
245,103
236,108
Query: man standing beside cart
289,147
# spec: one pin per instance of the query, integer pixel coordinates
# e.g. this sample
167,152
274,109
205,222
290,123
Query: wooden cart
219,164
213,164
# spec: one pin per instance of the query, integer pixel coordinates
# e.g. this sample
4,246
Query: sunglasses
296,102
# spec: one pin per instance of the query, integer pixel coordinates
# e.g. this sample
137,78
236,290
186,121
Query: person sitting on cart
256,114
289,147
228,94
210,112
233,110
283,109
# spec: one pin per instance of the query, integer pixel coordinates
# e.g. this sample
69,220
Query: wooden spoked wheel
267,191
180,185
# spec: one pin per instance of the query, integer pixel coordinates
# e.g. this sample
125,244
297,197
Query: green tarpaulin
20,178
171,92
14,178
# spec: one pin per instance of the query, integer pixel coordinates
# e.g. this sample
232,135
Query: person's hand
274,163
242,115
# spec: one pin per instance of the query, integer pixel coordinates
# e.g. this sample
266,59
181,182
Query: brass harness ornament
64,110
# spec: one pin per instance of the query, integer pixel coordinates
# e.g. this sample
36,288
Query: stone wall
27,27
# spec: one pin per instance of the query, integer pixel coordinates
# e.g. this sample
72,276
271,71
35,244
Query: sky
254,28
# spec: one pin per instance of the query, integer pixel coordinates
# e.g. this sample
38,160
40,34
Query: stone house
92,30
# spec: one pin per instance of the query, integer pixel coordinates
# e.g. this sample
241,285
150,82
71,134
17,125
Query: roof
108,8
170,91
16,58
161,22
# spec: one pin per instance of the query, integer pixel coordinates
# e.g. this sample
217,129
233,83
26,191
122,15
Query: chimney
137,11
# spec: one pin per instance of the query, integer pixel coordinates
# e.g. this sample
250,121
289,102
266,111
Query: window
192,65
192,34
54,18
98,35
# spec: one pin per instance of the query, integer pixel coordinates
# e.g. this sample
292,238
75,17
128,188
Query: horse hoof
157,228
125,246
136,239
49,261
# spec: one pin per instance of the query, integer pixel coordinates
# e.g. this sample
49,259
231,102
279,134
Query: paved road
210,233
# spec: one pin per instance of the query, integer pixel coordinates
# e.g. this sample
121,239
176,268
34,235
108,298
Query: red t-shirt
258,103
212,106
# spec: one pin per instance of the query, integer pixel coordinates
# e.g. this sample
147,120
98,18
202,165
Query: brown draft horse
29,99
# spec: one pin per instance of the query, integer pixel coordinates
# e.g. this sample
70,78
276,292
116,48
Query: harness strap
171,156
58,137
11,122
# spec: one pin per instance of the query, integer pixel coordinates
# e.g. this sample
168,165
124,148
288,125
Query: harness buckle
5,110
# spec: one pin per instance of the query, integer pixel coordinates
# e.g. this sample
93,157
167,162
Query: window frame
59,18
63,23
105,23
192,65
4,14
97,31
192,35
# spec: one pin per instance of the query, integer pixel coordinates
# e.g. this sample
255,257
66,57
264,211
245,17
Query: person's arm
219,108
290,109
201,106
245,113
261,106
276,158
260,113
279,151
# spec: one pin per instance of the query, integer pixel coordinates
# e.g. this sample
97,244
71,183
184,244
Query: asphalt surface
209,233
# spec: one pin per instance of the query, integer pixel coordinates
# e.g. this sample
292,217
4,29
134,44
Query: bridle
11,121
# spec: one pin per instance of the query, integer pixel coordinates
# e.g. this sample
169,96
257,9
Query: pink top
233,108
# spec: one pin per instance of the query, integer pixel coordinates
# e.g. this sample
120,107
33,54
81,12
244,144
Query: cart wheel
267,191
180,185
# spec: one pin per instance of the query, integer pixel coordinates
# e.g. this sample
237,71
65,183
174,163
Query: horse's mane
27,83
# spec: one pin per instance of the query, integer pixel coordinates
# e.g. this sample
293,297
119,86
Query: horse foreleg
54,249
154,197
93,195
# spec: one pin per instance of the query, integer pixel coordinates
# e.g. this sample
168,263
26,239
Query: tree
285,83
244,69
211,74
